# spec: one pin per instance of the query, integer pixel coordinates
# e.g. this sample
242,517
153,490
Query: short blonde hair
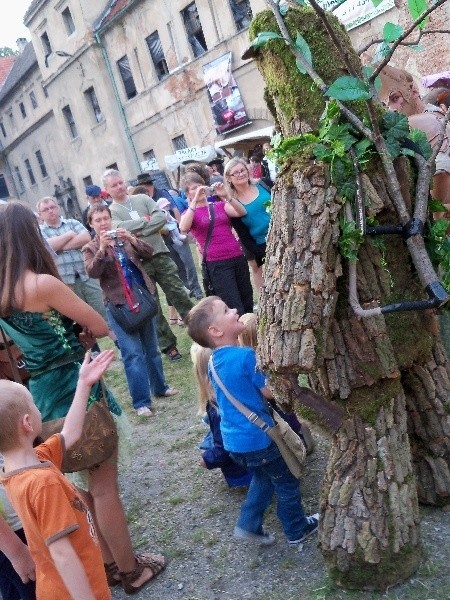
15,402
249,336
199,319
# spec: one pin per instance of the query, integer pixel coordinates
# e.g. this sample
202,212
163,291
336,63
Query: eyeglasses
239,173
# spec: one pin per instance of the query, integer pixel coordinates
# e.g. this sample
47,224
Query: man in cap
94,195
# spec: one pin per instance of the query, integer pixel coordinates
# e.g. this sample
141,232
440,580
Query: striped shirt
69,262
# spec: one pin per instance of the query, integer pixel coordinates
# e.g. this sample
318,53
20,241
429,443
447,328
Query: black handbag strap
251,416
212,217
12,362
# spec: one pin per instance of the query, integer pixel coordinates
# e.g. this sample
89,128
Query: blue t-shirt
257,218
236,367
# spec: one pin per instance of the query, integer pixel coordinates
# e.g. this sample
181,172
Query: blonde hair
200,357
15,402
249,336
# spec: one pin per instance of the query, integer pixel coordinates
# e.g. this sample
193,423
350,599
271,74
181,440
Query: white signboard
150,165
203,154
352,13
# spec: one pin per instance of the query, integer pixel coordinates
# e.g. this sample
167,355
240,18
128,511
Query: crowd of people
60,280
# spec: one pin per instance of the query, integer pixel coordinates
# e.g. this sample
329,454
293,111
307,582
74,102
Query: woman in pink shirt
226,265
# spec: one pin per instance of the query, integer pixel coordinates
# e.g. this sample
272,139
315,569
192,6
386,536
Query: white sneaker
144,411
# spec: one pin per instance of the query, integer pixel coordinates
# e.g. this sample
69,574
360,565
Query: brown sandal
112,574
155,562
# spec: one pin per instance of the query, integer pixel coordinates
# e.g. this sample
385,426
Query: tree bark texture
384,380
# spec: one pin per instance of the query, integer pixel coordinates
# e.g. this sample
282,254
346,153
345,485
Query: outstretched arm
71,569
91,371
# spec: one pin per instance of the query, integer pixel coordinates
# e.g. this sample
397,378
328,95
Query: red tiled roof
6,63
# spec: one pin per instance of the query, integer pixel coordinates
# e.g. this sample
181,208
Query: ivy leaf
419,138
302,46
376,2
381,51
436,206
416,8
396,125
394,147
392,32
349,88
265,36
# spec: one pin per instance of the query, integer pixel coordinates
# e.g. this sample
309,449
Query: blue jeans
140,355
11,586
270,475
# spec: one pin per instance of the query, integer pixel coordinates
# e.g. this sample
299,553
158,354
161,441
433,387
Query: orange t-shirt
50,508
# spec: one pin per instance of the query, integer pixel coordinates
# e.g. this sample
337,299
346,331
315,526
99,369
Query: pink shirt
223,244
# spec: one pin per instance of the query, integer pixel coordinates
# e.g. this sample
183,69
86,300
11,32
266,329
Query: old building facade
123,84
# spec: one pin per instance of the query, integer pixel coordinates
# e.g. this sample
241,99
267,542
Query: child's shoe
312,527
263,539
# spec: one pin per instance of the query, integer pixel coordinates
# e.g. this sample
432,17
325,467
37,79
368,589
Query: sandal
112,574
155,562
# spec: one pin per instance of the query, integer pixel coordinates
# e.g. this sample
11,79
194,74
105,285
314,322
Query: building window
157,54
68,21
22,110
2,129
44,89
41,163
87,181
46,44
91,98
30,171
113,166
11,120
149,155
70,121
242,13
4,192
179,142
127,77
20,184
33,100
194,29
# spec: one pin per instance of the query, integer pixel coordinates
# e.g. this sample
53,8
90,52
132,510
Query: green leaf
420,138
303,2
376,2
392,32
349,88
381,51
302,46
265,36
436,206
396,125
416,8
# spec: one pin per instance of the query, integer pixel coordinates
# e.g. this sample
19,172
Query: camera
112,234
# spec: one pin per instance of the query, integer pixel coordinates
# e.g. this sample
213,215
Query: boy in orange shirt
59,528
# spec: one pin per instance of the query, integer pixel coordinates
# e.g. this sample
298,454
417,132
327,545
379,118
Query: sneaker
173,354
144,411
311,527
263,539
169,392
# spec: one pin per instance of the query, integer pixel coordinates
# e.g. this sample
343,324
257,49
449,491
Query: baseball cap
93,190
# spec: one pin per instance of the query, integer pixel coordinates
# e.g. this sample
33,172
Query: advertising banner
224,96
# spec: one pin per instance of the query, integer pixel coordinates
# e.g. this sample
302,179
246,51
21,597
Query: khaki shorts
442,163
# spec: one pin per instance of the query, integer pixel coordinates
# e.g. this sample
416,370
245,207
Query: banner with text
224,96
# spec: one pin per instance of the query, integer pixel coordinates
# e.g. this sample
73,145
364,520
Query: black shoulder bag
207,283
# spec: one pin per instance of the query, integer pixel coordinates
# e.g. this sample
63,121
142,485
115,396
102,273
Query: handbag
12,364
132,318
207,283
288,442
98,441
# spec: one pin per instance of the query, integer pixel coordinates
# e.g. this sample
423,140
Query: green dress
53,356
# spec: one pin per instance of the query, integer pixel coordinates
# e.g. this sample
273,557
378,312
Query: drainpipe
115,89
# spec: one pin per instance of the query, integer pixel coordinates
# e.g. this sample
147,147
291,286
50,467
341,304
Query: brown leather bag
98,441
12,365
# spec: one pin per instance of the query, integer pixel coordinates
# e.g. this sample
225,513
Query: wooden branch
398,41
422,32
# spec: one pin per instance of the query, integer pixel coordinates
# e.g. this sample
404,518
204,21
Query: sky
11,22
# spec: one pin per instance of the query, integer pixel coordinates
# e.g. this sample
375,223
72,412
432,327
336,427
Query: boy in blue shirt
213,325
